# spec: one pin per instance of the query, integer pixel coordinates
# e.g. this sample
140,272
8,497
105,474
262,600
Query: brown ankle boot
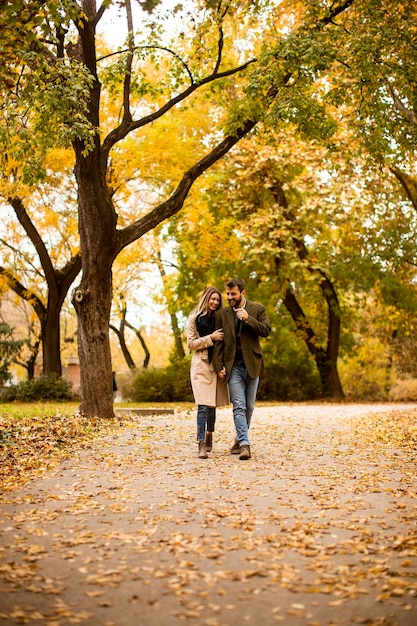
202,450
209,441
235,449
244,453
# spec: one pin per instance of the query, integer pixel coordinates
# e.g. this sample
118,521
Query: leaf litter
319,528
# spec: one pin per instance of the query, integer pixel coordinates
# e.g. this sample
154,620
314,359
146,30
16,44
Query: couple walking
227,360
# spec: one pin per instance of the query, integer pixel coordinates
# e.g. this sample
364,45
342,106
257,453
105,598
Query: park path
317,529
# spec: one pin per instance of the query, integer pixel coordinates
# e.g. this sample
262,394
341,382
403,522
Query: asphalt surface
318,528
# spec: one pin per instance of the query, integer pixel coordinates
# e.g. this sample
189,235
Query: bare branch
171,206
100,13
408,115
172,52
35,238
129,62
26,294
124,129
408,184
24,256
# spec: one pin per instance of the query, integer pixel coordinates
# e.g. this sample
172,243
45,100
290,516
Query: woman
209,391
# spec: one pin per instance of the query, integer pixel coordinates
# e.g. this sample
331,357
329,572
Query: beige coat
208,389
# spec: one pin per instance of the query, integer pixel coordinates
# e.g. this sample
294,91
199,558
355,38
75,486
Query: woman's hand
217,335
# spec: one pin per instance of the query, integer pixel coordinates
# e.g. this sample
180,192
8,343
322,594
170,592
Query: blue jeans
206,418
242,389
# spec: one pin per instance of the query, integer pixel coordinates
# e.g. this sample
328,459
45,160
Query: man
239,359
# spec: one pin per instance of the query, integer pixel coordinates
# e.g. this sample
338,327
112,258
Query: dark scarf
205,324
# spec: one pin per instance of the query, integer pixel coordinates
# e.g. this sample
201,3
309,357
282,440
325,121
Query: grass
25,410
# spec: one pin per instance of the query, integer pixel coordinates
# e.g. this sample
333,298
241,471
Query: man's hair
236,282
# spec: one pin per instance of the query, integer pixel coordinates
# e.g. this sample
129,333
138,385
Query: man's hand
242,314
222,373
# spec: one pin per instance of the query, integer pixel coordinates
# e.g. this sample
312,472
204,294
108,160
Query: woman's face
214,302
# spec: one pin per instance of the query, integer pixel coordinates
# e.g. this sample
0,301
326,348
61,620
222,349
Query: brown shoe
235,449
209,441
244,453
202,450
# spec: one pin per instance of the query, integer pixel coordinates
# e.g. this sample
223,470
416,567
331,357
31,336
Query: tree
179,348
25,328
270,234
9,351
278,90
33,115
120,332
47,308
325,356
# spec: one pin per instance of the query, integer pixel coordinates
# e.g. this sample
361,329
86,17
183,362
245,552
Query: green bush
172,384
51,387
295,382
168,384
291,373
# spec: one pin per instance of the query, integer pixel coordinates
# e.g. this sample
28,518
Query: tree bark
93,297
92,302
51,338
408,183
30,364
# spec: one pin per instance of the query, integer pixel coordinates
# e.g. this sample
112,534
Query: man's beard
237,303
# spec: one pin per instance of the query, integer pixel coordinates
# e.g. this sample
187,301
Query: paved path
317,529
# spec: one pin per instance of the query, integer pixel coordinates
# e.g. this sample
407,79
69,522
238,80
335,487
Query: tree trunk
93,297
30,365
179,348
97,221
142,343
93,311
329,377
332,387
51,339
325,358
327,367
125,350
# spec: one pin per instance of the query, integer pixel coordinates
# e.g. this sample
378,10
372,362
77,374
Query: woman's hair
202,306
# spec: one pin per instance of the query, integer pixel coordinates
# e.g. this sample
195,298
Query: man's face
235,296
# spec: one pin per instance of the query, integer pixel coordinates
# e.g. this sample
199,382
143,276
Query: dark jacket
256,326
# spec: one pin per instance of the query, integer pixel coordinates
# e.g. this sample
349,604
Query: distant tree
9,351
44,293
120,333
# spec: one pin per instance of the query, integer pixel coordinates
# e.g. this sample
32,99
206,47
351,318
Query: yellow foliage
59,160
